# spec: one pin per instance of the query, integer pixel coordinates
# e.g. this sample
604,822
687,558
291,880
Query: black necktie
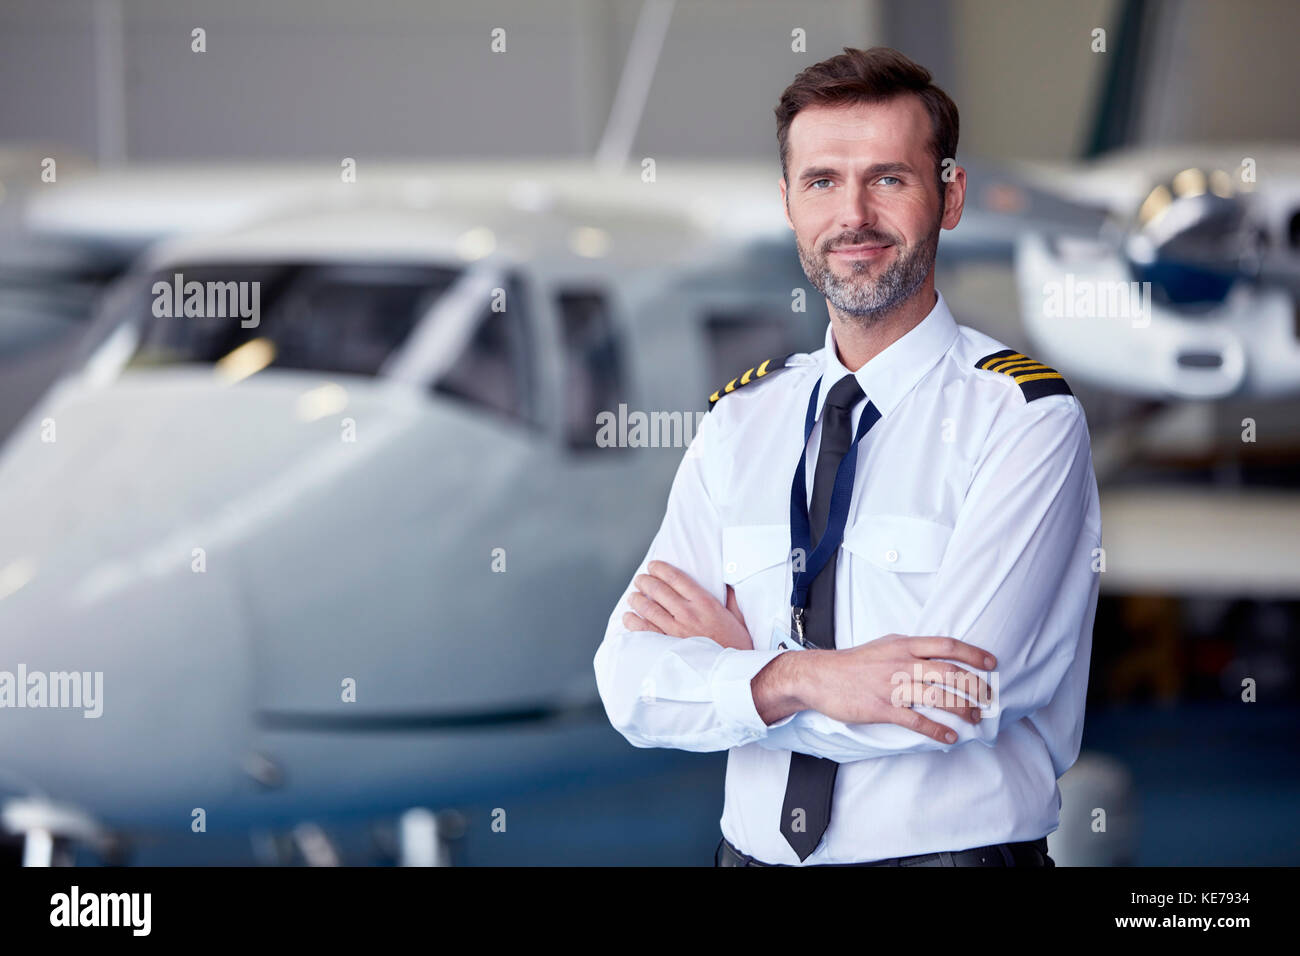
811,783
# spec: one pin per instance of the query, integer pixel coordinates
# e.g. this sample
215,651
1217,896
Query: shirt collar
888,377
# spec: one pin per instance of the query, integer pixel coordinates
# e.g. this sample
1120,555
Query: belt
1030,853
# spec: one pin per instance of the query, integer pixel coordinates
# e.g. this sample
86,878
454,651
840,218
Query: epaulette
1034,378
761,370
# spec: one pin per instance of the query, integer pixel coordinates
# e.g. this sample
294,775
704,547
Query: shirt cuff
732,695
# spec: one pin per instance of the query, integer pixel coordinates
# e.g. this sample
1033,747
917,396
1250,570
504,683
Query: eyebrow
879,169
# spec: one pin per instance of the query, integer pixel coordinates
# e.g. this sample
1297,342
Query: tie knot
846,393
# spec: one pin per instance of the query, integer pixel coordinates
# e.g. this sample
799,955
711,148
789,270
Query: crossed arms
678,668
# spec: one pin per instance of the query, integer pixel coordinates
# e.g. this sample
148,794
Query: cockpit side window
593,363
495,368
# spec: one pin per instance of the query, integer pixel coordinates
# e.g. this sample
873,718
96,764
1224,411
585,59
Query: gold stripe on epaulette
996,359
1035,379
1014,366
764,368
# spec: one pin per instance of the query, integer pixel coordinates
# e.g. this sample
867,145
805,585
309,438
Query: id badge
782,638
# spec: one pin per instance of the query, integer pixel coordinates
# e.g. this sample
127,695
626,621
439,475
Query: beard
857,294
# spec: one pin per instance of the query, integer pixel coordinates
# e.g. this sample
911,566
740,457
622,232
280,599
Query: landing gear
50,833
425,838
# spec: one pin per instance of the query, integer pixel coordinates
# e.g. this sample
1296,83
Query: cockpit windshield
329,318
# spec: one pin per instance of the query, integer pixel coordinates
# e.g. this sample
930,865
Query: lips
866,249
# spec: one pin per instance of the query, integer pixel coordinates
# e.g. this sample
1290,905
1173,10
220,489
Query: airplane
1185,303
1188,291
370,554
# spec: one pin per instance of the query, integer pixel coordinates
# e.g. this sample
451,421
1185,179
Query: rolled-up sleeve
684,693
1017,579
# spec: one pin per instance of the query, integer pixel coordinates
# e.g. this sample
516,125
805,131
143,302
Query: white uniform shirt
974,515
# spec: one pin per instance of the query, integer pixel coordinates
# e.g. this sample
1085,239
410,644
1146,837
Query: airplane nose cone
126,681
261,569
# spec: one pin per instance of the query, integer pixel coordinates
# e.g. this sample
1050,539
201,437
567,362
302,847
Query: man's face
864,202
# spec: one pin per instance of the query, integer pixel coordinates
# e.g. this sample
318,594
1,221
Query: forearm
687,694
795,693
813,733
784,686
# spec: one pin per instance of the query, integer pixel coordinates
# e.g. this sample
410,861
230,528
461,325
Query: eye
882,179
816,181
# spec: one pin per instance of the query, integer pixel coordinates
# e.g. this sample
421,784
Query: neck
858,342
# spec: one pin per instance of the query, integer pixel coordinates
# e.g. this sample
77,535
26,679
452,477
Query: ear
954,199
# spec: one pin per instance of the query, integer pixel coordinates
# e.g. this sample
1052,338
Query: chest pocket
899,543
895,558
755,562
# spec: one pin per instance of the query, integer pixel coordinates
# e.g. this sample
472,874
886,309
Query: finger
680,581
951,648
911,720
634,622
661,592
734,607
938,698
955,684
653,612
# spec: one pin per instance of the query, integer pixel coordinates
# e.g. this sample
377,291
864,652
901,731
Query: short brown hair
869,76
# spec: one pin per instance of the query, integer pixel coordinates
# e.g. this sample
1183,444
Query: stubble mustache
861,238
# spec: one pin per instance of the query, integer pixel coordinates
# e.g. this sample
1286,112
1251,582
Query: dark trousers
1031,853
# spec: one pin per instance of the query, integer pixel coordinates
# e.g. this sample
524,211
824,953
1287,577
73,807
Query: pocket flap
748,549
899,542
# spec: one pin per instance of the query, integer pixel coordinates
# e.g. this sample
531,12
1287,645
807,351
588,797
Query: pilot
876,577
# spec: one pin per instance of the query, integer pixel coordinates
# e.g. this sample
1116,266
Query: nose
858,209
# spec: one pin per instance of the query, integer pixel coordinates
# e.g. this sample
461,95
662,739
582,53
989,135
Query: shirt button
731,567
891,555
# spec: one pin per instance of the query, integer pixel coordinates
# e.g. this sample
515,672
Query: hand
880,682
669,602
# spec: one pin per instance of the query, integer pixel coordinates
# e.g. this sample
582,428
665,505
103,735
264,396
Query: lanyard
841,495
